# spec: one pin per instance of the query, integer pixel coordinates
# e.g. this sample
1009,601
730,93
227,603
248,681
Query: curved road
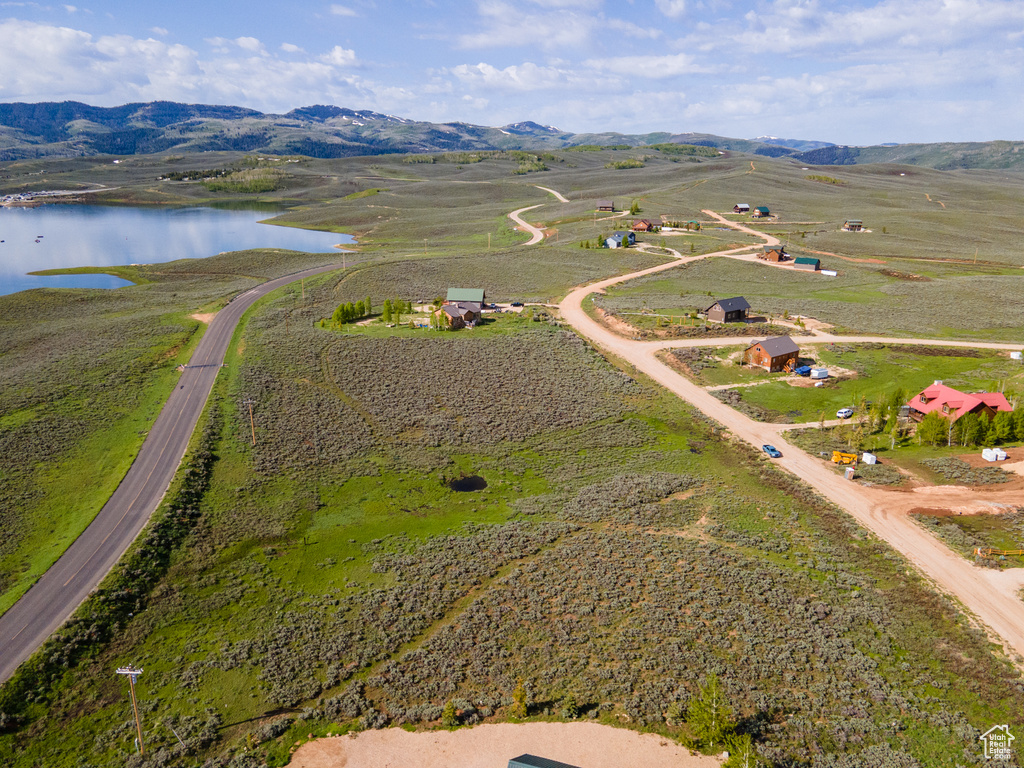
538,234
991,596
56,595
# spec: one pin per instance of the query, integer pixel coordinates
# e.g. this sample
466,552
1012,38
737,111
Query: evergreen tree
449,717
386,313
1018,423
367,306
519,701
570,709
360,310
1002,426
710,716
741,752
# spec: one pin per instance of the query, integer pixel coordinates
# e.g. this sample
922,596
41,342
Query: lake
60,236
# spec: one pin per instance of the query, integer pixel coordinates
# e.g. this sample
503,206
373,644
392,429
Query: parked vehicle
844,413
516,304
841,457
803,370
772,451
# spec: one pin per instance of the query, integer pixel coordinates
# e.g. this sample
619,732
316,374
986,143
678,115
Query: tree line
391,311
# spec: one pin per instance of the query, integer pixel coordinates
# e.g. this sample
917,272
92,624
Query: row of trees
349,313
972,429
391,312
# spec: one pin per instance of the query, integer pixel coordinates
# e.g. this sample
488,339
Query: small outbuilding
533,761
741,208
853,225
606,205
732,310
761,212
807,263
776,354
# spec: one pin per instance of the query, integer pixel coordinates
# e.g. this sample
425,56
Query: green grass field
328,579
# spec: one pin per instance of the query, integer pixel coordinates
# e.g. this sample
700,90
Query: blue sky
852,73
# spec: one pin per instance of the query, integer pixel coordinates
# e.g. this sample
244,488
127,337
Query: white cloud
115,69
159,31
671,8
523,77
507,25
70,9
291,48
248,43
340,57
342,10
654,67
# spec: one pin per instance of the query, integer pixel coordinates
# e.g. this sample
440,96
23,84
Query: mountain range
74,129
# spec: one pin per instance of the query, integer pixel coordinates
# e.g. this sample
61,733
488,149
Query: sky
857,73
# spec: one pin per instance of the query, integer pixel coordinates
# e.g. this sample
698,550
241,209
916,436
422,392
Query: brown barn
853,225
732,310
605,205
643,225
774,253
778,354
741,208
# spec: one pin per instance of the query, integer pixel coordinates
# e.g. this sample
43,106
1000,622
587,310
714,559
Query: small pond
470,483
61,236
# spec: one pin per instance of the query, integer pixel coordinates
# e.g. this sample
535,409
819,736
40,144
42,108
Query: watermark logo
997,742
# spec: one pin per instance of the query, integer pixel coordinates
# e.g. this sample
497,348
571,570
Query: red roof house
952,404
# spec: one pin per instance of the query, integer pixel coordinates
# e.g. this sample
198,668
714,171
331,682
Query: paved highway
60,590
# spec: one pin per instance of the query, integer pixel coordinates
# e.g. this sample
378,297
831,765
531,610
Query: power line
133,674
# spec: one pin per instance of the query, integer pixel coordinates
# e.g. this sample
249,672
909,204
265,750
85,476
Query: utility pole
303,283
252,424
133,674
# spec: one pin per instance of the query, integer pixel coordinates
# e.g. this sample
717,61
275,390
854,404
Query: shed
533,761
455,295
776,354
741,208
605,205
806,262
732,310
761,212
853,225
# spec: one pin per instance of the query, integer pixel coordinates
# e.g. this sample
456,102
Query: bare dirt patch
204,317
617,325
487,746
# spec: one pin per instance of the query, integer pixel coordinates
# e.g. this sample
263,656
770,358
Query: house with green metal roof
761,212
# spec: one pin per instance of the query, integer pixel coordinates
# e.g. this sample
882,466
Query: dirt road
493,745
991,596
538,234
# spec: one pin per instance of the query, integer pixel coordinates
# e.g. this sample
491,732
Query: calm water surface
58,236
